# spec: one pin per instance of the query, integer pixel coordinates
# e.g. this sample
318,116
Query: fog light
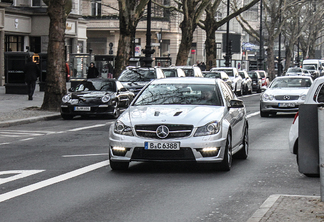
119,151
209,151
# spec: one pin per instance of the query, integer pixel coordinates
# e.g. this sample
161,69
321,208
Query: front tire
264,114
226,164
243,153
118,165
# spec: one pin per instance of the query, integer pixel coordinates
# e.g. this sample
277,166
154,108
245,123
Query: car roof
292,77
186,80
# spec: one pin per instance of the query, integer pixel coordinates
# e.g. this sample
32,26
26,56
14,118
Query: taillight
297,114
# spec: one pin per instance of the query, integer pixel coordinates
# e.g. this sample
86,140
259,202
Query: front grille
175,130
286,97
184,153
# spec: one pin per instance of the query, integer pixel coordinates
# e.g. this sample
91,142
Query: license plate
286,104
162,145
82,108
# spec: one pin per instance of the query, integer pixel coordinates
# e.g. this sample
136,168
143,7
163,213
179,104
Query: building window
14,43
75,7
160,12
95,8
36,2
35,44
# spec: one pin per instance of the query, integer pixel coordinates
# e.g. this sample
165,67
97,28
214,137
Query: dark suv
256,81
135,78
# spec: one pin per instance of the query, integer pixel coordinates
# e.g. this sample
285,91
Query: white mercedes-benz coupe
197,120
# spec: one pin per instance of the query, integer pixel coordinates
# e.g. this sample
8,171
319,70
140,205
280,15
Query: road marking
51,181
86,127
18,174
81,155
253,114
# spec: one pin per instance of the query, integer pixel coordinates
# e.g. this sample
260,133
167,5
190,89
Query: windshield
189,72
242,75
170,73
309,67
212,75
96,86
291,82
253,74
194,94
294,70
137,75
229,72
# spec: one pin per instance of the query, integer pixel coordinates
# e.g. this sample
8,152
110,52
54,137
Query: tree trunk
55,74
210,43
130,13
270,57
186,41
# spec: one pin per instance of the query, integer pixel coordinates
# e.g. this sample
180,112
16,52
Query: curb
29,120
267,204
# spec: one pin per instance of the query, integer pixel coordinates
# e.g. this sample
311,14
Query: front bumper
102,109
280,106
190,149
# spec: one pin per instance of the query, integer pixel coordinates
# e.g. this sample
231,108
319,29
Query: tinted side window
319,94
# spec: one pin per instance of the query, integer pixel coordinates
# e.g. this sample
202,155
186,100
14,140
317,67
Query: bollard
321,148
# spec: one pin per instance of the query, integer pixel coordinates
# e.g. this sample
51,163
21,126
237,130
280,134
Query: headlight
105,98
267,97
208,129
302,96
66,98
121,128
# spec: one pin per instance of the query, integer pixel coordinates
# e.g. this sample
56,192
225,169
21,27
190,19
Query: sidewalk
16,109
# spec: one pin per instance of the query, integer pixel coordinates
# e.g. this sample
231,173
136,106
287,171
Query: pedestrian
92,71
32,72
202,66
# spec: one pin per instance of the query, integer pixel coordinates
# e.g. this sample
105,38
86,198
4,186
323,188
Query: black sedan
99,96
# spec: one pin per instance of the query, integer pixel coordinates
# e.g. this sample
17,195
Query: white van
314,66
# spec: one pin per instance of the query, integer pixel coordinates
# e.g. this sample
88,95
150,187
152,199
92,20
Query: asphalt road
58,171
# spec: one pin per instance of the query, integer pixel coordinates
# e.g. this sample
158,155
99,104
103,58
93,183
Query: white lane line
87,127
51,181
253,114
18,174
81,155
26,139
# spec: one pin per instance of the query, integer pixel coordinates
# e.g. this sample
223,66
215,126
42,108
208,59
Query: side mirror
123,90
72,89
236,103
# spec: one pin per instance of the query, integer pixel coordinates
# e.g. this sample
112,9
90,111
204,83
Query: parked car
315,95
181,119
296,71
191,71
284,94
135,78
233,73
312,70
97,96
173,72
219,75
246,82
256,81
264,79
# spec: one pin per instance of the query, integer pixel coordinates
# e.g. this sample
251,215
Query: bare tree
314,16
58,11
210,25
130,13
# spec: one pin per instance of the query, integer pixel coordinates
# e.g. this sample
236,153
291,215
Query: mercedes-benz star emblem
286,97
162,131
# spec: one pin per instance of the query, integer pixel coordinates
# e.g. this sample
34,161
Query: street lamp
228,55
260,59
148,51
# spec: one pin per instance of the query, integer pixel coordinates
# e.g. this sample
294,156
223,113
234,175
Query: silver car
284,94
181,119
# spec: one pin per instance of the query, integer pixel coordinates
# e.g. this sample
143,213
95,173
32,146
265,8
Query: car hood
287,91
172,114
91,94
134,84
